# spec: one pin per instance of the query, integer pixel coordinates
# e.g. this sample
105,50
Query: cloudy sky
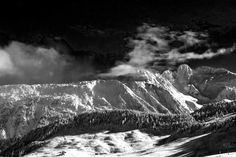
64,42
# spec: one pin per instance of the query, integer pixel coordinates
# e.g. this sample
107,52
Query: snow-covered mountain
26,107
167,102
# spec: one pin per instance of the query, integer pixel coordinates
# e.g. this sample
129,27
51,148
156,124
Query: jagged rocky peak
184,73
207,84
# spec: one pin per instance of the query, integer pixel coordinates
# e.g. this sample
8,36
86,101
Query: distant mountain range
26,107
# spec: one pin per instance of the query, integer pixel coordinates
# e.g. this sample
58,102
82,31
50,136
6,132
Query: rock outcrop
183,74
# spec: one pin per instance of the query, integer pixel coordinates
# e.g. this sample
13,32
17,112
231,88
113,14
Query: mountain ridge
26,107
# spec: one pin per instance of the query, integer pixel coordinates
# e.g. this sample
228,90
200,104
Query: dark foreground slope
217,126
216,137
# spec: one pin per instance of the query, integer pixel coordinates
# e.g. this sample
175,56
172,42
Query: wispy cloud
174,56
154,44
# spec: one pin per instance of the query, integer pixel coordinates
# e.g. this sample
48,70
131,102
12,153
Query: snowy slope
130,143
25,107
